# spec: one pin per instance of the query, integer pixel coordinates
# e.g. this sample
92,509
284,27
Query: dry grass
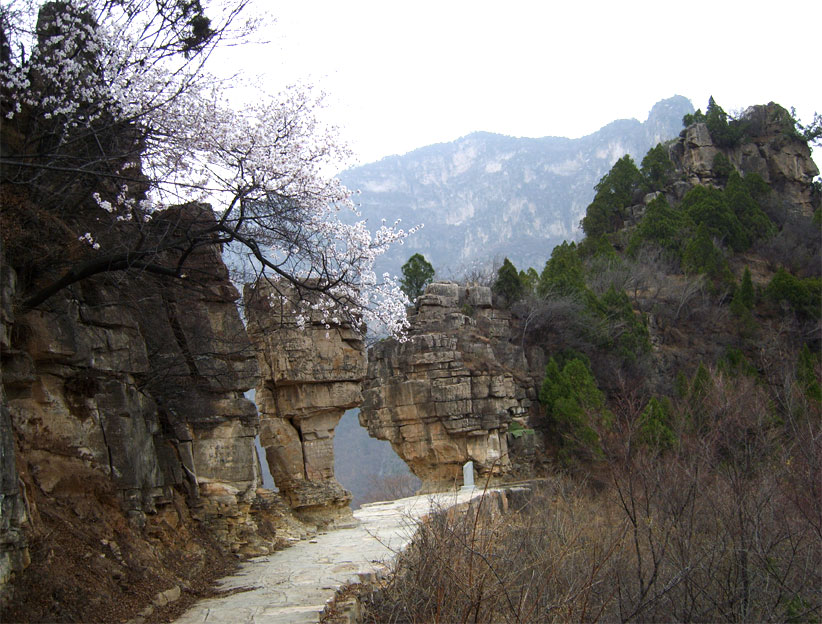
726,527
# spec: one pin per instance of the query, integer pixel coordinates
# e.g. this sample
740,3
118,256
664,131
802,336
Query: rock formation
311,372
123,412
448,393
14,553
143,383
771,150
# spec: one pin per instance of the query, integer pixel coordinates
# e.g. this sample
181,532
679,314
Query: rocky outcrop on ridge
770,150
311,370
448,394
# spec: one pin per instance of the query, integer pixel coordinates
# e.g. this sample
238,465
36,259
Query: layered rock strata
311,370
136,384
448,394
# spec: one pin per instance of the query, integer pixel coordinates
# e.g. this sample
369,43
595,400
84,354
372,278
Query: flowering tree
110,116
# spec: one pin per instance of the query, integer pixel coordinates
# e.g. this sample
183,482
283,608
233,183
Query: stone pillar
309,376
468,476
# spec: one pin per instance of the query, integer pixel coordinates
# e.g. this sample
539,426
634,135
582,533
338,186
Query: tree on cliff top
110,116
417,273
614,193
508,284
656,168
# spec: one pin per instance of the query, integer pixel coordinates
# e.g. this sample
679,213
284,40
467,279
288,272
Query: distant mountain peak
675,105
486,196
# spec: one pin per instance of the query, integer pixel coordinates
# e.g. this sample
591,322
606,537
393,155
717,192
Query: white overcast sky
400,75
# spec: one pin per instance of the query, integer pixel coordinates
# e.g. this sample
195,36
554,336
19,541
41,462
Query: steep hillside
675,355
488,195
368,467
653,290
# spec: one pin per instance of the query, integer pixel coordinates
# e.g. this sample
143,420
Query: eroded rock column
447,395
310,373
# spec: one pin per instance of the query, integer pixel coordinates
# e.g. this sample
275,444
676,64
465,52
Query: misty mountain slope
367,467
486,196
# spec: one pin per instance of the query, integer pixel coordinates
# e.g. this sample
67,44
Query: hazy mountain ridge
486,195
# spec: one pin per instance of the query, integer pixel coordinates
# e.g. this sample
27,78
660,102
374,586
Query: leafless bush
483,274
650,273
526,566
555,322
606,273
796,247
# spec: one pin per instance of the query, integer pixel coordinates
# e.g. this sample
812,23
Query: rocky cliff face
769,150
124,412
14,551
311,371
448,394
144,383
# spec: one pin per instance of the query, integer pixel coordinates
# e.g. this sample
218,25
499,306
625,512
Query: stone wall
448,394
310,373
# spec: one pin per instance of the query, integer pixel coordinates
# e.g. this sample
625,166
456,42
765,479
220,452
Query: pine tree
656,168
508,285
614,193
743,300
574,403
529,279
564,272
654,424
723,134
807,375
417,273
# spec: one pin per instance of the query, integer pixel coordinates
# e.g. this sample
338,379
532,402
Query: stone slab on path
292,585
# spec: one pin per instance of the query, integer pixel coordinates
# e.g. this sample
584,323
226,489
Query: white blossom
89,239
262,168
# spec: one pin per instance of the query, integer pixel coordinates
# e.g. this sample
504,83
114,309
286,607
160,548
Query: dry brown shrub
725,527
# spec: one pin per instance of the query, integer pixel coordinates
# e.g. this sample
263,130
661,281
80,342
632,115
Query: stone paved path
292,586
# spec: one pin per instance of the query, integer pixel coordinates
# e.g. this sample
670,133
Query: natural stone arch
309,375
447,395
